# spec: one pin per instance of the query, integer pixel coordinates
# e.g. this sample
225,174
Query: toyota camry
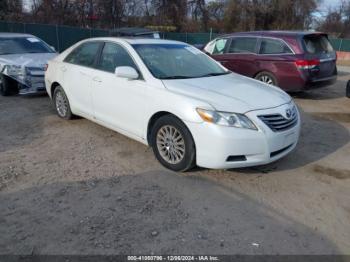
176,99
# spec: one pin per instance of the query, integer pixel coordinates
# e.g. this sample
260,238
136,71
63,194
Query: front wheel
266,78
173,144
8,86
61,103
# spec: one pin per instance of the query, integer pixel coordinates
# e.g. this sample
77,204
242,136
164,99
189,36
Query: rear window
274,46
315,44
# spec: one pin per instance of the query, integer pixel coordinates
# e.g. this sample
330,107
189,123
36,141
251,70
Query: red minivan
292,60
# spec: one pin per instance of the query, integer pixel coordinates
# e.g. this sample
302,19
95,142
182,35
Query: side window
84,55
219,47
243,45
274,46
209,48
113,55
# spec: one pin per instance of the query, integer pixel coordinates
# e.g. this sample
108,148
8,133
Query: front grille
279,123
35,71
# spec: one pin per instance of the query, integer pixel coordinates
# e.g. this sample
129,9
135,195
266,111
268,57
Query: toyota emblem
289,113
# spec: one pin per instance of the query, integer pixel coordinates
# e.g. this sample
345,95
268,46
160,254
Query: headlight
16,71
226,119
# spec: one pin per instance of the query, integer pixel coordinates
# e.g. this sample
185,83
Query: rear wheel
173,144
8,86
267,78
61,103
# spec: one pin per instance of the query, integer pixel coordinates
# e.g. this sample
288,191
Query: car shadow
157,212
336,90
320,136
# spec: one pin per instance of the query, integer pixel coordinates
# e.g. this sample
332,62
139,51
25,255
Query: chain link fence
61,37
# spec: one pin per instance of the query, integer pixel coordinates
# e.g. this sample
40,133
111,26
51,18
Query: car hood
230,93
27,60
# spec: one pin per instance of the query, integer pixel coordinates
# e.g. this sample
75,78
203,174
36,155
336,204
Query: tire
267,78
348,89
8,86
61,103
173,144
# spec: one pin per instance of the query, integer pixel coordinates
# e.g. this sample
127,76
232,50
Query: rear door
317,47
78,68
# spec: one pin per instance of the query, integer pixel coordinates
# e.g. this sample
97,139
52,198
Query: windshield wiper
176,77
216,74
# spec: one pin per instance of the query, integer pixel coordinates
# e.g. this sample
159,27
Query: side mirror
53,48
126,72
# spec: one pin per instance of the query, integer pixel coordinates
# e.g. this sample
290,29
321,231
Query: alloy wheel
266,79
61,104
171,144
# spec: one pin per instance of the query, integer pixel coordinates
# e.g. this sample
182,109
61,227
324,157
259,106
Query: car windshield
177,61
23,45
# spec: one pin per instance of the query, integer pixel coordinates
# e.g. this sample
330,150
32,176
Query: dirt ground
73,187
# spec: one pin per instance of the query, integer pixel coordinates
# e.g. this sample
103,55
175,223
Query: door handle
97,79
63,69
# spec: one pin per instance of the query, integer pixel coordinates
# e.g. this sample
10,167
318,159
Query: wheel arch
263,71
154,119
274,75
54,85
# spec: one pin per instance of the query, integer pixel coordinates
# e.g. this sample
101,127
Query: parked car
173,97
22,63
292,60
137,32
348,89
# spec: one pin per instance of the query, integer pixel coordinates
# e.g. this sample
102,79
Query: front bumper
33,84
220,147
33,81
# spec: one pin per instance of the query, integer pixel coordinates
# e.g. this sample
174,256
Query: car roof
133,41
276,33
12,35
132,31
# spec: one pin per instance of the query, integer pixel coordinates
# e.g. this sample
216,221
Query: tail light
307,64
46,67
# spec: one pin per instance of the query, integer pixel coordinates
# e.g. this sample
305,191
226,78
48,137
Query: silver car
23,59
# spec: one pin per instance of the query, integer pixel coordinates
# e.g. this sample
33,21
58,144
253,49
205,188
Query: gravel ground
73,187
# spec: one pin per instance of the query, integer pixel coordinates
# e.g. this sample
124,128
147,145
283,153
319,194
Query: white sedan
176,99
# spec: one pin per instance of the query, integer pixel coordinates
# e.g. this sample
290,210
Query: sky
331,3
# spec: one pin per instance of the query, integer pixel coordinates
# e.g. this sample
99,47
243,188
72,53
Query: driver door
118,102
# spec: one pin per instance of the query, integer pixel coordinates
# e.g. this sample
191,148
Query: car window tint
243,45
84,55
316,44
219,47
274,46
113,56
